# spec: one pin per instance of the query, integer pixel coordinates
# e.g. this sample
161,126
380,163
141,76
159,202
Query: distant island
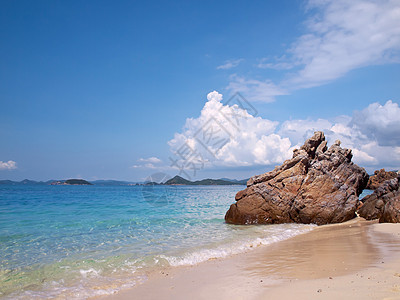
65,182
177,180
72,182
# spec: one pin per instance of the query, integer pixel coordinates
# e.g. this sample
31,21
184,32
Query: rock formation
383,204
318,185
379,177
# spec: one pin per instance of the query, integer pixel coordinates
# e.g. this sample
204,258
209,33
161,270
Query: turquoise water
80,241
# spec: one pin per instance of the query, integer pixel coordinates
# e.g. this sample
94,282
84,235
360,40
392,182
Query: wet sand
353,260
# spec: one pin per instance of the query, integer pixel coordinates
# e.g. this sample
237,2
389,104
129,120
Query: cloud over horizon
372,133
8,165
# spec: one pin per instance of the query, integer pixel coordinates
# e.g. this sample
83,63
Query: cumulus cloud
229,64
380,122
8,165
364,157
340,36
227,135
373,133
299,130
230,136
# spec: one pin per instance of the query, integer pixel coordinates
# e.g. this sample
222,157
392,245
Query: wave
235,247
105,277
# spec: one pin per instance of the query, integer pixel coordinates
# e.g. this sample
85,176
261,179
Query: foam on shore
356,259
270,234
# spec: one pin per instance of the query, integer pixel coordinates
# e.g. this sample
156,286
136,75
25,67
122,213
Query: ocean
80,241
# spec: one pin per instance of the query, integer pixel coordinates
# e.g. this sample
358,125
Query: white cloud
280,63
252,141
363,157
343,36
8,165
340,36
147,163
152,159
230,136
276,66
272,149
144,166
255,90
229,64
299,130
373,133
380,122
376,156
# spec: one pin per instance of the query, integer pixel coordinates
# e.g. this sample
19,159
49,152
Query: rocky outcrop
383,204
379,177
318,185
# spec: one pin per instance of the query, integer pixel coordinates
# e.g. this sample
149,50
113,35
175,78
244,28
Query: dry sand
353,260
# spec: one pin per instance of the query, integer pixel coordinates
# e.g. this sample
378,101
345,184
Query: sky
126,89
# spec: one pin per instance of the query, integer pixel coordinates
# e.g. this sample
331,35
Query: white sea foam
83,290
90,273
235,247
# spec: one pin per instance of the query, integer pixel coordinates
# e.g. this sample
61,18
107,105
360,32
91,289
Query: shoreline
343,261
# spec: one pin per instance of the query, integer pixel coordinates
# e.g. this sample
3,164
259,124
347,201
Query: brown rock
383,204
318,185
379,177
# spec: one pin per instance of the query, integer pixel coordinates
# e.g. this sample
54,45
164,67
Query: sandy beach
355,260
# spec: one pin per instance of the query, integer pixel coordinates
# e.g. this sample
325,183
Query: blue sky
105,90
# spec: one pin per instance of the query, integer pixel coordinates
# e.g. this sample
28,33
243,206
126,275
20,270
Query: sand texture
355,260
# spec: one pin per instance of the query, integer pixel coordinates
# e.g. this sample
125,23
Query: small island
72,182
178,180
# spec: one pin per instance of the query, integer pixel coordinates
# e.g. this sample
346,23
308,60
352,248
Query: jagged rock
379,177
318,185
383,204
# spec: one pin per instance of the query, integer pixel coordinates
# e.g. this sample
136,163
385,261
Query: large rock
379,177
383,204
318,185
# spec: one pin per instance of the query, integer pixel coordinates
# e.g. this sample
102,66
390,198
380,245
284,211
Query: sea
74,242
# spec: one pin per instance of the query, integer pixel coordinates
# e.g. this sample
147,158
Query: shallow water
80,241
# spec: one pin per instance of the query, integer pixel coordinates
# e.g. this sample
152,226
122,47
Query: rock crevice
384,203
317,185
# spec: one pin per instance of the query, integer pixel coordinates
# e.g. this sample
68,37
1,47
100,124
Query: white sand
353,260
